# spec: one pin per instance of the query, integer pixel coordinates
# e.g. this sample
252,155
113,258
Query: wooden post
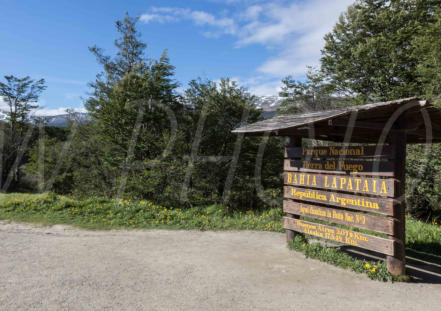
294,141
396,264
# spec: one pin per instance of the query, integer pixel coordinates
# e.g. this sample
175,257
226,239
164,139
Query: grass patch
421,237
102,213
375,270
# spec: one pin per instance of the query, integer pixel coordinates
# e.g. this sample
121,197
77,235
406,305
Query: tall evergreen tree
21,95
369,53
383,50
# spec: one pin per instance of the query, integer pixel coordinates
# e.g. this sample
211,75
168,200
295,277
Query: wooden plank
372,125
293,142
342,200
339,151
396,264
379,168
343,217
354,184
366,241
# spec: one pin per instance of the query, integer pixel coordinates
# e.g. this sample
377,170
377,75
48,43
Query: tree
218,108
370,52
129,58
21,95
383,50
313,94
427,49
132,105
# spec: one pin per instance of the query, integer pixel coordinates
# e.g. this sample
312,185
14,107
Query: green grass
101,213
375,270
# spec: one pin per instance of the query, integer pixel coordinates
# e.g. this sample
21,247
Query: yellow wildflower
368,265
373,269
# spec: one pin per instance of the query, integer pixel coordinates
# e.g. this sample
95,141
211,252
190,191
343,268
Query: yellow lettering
334,183
383,188
374,185
358,181
365,186
342,182
314,181
350,184
302,179
326,182
289,178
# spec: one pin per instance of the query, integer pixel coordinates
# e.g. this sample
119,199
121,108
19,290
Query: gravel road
63,268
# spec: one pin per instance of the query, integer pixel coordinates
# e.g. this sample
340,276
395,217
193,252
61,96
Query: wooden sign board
378,168
339,216
347,186
359,152
342,200
364,185
370,242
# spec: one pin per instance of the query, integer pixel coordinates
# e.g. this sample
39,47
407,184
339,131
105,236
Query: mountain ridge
269,105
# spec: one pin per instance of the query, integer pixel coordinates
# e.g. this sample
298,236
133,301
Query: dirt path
60,268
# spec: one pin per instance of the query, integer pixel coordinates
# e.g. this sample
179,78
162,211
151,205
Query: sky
255,42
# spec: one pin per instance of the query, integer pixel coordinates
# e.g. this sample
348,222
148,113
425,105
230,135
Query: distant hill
268,104
60,120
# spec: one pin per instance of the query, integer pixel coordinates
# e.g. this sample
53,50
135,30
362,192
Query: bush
423,187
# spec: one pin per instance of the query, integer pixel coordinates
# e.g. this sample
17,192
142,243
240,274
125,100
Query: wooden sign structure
348,193
362,195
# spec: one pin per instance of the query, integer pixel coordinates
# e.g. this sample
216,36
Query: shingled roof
367,122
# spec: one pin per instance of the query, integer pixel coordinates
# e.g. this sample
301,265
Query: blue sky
255,42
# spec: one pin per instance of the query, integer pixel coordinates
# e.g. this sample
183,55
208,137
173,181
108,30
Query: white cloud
259,85
224,25
3,105
266,88
57,111
66,81
297,31
252,12
294,30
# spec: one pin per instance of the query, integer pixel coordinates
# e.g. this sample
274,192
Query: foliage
423,237
313,94
135,111
217,109
372,52
423,183
102,213
145,141
374,270
427,49
21,96
383,50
